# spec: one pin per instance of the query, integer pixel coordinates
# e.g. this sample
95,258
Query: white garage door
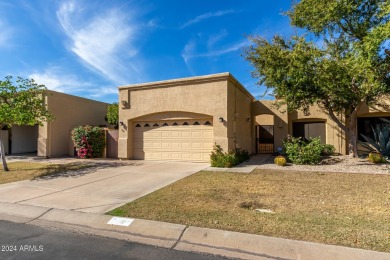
183,140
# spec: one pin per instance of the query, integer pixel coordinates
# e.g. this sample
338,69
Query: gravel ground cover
333,164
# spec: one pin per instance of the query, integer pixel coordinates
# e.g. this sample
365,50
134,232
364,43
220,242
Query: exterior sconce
280,124
121,123
221,119
248,119
124,103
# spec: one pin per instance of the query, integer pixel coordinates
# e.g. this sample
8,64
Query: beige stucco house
54,138
182,119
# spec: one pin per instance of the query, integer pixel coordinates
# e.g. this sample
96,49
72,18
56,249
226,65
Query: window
207,123
137,125
185,123
146,125
175,123
155,124
165,124
307,130
196,123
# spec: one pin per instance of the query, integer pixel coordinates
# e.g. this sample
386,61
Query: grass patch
20,171
333,208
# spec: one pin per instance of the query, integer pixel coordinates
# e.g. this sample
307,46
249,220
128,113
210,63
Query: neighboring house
182,119
54,138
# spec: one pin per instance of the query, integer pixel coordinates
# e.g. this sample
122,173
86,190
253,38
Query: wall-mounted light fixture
121,123
248,119
124,103
221,119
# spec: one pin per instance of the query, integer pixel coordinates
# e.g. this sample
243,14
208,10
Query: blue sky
89,48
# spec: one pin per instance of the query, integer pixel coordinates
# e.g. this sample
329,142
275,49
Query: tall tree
112,116
21,103
347,66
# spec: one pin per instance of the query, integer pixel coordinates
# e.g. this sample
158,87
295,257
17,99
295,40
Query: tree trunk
2,154
352,133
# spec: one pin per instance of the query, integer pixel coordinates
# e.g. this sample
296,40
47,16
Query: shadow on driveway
72,169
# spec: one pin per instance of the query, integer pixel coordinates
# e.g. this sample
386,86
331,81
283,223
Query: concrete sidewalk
180,237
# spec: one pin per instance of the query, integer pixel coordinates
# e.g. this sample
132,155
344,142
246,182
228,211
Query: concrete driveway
99,190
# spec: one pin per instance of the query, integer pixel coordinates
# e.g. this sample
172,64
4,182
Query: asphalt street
23,241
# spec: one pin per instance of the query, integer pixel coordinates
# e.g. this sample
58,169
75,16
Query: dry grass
31,170
333,208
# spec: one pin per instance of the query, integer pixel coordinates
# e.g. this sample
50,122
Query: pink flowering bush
89,141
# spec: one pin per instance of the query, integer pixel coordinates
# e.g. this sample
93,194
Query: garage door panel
196,145
156,145
156,134
186,134
174,156
196,134
175,133
165,145
196,156
182,142
185,145
176,146
165,134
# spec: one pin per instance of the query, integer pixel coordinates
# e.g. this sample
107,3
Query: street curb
20,213
181,237
250,246
140,231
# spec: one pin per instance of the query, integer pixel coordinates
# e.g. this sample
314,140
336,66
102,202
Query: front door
265,139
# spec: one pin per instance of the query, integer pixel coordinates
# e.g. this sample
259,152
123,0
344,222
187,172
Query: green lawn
333,208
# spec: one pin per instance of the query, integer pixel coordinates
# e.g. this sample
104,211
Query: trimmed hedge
89,141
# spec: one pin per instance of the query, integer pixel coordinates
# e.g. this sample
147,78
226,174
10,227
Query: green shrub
303,152
232,158
112,116
89,141
327,149
280,160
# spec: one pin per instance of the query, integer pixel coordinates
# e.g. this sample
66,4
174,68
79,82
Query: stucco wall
280,120
239,118
380,110
220,95
69,111
188,97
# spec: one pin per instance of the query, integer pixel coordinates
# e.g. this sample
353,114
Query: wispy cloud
190,52
216,38
206,16
55,79
5,33
105,41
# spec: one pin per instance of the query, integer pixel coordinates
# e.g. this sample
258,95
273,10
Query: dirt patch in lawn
333,208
